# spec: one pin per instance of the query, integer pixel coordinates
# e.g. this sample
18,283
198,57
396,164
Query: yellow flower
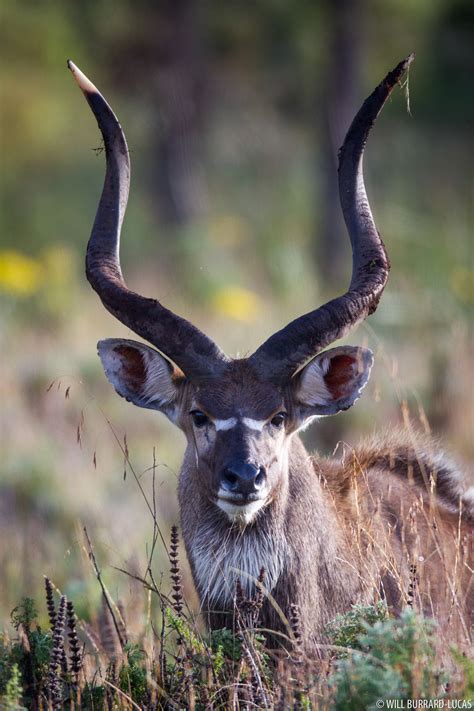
462,283
19,275
236,302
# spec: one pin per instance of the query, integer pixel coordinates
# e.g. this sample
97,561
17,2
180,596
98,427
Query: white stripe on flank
254,424
225,424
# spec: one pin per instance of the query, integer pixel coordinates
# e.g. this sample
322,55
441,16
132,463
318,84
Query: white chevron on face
254,424
225,424
231,422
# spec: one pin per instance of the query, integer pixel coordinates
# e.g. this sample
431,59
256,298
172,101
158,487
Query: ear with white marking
333,380
140,374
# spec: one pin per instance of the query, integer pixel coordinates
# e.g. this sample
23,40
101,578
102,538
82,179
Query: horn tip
404,65
82,81
406,62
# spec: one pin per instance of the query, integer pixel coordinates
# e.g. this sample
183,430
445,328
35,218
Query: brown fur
353,531
407,502
392,518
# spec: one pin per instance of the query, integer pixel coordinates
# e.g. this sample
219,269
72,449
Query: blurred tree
180,101
162,62
451,47
339,97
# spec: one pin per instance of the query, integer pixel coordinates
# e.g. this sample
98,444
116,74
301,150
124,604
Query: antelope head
238,415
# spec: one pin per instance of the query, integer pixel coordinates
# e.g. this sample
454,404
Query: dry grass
174,663
75,455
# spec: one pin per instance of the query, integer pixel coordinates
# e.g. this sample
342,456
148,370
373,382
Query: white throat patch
237,555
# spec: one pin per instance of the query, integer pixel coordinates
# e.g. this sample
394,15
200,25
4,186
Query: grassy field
81,468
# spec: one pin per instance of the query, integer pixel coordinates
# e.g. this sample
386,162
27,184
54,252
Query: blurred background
234,112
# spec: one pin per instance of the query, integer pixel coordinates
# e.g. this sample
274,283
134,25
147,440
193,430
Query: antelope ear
333,380
140,374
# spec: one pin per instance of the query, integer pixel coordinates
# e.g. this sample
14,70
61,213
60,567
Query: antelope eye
278,420
199,418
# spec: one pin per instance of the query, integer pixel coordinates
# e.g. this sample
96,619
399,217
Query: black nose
243,478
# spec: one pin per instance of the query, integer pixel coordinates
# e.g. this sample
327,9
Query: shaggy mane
412,456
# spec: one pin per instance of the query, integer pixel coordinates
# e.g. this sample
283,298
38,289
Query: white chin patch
240,514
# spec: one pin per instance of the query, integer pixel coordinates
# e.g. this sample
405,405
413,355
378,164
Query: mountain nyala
391,519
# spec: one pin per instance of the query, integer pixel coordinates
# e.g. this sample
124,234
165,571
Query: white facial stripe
231,422
225,424
254,424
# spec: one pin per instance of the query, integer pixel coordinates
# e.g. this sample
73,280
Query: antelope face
237,433
238,425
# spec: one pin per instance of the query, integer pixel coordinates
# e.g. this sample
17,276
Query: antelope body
391,518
